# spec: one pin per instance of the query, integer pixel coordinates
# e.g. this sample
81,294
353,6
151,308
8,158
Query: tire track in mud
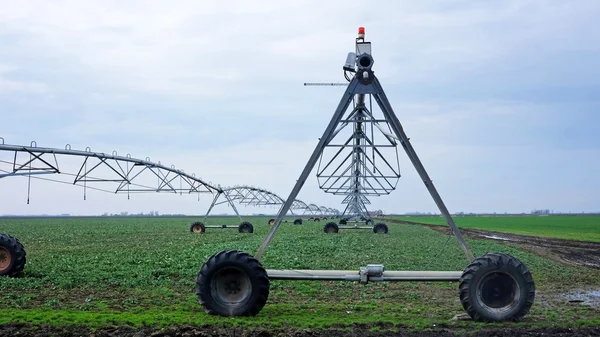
573,252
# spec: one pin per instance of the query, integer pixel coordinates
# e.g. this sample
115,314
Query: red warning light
361,33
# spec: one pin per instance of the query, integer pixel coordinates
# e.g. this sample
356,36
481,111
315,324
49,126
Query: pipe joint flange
372,272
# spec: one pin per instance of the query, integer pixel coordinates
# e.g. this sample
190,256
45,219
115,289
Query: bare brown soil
205,331
574,252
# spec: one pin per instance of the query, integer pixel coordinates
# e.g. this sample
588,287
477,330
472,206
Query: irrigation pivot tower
359,158
493,287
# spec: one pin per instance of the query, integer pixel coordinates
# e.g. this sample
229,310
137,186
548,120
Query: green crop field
586,228
141,271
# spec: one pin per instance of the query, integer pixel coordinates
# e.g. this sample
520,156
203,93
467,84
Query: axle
372,272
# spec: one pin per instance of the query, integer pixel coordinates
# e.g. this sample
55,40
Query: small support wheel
369,222
331,227
298,222
246,227
380,228
317,219
343,221
197,227
271,222
497,287
232,283
12,256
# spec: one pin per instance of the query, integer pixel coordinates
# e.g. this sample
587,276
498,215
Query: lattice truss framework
361,156
123,174
98,171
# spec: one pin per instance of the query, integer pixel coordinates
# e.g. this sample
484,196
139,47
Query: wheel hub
231,286
498,291
5,258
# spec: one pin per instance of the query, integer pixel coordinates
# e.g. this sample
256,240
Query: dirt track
43,331
580,253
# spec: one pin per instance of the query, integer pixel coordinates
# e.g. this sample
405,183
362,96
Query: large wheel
232,283
331,227
380,228
197,227
298,222
271,222
12,256
343,221
245,227
497,287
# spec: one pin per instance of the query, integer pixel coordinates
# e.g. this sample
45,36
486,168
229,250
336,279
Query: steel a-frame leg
214,202
337,116
211,206
374,88
389,114
233,206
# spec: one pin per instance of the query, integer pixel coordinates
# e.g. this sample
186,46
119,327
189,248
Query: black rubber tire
245,269
246,227
298,222
12,256
271,222
317,220
343,221
380,228
331,227
508,273
311,218
197,227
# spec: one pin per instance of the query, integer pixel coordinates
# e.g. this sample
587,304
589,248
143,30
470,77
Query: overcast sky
500,98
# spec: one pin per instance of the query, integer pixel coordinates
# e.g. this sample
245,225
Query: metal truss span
254,196
124,174
98,171
251,196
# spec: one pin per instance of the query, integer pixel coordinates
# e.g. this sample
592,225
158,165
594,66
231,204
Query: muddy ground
205,331
572,252
579,253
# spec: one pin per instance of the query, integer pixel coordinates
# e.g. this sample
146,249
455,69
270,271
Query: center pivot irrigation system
243,195
362,156
356,207
493,287
250,196
127,175
115,174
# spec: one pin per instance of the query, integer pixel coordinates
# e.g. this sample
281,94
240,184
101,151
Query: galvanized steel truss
364,82
99,171
123,174
360,165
